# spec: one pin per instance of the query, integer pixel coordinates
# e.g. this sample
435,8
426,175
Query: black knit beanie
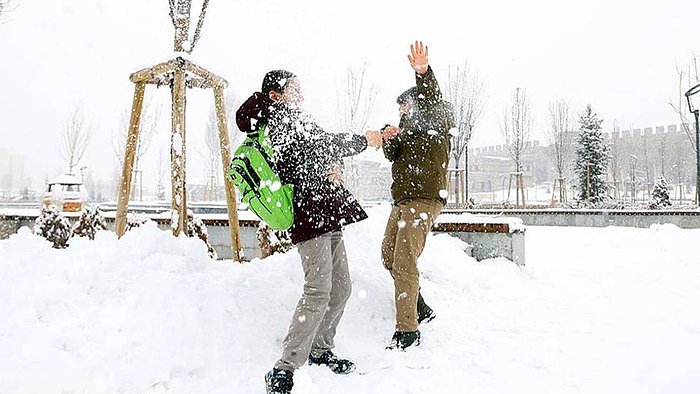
410,94
276,80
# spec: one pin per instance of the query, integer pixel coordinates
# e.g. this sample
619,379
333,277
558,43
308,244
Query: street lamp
694,105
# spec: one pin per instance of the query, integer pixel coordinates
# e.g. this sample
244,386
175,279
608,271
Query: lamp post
694,106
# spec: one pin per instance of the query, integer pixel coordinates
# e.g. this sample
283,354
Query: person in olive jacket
419,151
306,156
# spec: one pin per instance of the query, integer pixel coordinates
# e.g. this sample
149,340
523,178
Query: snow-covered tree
592,156
272,241
53,226
91,221
660,197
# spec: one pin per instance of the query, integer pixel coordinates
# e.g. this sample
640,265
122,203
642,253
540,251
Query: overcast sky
619,55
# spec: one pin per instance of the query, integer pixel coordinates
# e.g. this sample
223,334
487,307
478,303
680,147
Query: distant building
638,157
11,173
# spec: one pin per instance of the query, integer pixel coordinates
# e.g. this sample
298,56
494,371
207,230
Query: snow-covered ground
611,310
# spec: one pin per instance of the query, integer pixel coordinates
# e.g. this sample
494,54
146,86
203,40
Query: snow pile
596,311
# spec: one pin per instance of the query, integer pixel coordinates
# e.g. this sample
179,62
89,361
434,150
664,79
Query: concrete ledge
488,237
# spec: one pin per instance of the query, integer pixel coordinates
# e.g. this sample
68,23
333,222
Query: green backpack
252,170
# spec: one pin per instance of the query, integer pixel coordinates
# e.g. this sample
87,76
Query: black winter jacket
304,154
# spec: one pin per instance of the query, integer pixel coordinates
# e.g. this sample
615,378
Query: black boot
337,365
402,340
279,381
425,313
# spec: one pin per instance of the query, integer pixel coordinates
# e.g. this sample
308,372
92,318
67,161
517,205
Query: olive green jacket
420,153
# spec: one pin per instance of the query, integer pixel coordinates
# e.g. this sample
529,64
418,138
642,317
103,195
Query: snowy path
595,311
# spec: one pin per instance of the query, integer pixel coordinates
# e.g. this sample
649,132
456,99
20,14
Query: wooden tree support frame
179,74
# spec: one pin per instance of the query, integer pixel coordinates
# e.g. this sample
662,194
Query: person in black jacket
307,157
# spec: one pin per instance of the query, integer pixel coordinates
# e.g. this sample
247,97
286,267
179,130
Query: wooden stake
177,154
225,160
129,154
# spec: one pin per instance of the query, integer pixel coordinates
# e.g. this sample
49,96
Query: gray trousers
327,288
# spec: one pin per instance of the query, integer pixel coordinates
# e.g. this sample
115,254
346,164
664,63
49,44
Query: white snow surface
610,310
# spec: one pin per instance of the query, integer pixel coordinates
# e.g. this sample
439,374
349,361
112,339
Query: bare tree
212,158
688,76
147,130
212,154
617,159
355,99
649,175
6,6
465,91
162,169
516,127
561,136
74,140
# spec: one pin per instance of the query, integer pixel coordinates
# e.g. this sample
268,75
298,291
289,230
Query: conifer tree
592,156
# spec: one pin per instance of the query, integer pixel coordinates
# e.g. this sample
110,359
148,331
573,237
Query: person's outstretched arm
426,84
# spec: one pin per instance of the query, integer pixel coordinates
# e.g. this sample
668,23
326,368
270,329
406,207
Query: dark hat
255,110
276,80
410,94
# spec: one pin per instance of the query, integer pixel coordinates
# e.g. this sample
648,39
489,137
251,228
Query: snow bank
596,310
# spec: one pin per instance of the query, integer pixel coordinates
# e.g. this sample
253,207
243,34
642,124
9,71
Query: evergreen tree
660,197
592,156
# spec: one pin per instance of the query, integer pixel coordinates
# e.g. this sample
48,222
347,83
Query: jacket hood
254,111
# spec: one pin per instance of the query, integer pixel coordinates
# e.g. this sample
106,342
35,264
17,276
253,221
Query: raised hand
419,57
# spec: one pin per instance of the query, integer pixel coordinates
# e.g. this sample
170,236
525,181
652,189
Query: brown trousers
408,226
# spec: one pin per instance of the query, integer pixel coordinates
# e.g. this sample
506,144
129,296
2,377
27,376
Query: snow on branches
659,197
53,226
592,156
91,221
272,241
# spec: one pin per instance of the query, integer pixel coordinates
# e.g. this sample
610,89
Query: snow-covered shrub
660,197
272,241
53,226
90,222
134,220
196,228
